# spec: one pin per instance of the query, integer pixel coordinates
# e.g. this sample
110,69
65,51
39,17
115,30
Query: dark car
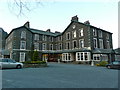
113,65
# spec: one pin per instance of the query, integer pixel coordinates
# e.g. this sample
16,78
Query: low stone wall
34,65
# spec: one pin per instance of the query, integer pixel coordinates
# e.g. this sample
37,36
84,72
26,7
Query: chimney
48,30
87,22
57,32
27,24
75,18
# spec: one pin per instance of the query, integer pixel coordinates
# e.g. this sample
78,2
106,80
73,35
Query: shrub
34,62
97,64
102,63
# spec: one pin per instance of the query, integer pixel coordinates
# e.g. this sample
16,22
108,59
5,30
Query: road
60,76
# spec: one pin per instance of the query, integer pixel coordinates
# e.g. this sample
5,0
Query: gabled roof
85,25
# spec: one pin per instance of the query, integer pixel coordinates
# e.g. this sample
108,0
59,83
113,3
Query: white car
9,63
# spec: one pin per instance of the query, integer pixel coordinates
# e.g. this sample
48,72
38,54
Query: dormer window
23,35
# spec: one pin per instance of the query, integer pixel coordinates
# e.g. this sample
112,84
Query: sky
56,15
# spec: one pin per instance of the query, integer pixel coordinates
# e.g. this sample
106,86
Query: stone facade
3,35
80,42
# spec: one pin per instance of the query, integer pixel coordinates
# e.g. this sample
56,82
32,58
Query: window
67,45
74,44
60,46
96,57
83,56
94,32
101,43
22,56
23,45
68,36
56,46
73,26
107,36
60,38
81,43
108,44
36,46
51,46
74,34
23,35
81,32
44,46
95,42
66,57
100,33
51,39
36,37
44,38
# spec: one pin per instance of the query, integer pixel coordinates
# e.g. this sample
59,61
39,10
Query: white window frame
73,44
67,57
21,42
81,44
23,35
43,46
36,37
95,42
81,32
68,34
74,34
51,47
74,26
60,46
108,44
36,46
107,36
101,43
81,56
67,45
100,33
94,32
44,37
22,57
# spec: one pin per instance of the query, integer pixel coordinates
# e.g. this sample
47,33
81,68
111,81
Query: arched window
23,34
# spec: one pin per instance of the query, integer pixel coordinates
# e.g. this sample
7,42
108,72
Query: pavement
60,75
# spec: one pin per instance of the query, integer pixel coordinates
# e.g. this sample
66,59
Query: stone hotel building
80,42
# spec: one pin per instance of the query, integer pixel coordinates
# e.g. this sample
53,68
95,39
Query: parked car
113,65
10,63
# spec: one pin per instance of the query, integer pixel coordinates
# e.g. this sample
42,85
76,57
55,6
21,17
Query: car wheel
108,67
18,66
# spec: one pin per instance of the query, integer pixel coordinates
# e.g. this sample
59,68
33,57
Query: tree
35,56
20,7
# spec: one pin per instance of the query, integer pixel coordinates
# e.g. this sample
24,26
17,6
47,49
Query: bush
34,62
102,63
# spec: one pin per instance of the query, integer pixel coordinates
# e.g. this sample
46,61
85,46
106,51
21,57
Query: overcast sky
56,15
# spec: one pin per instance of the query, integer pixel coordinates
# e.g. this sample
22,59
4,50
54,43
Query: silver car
9,63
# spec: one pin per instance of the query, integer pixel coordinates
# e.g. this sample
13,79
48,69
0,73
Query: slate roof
103,51
43,32
117,51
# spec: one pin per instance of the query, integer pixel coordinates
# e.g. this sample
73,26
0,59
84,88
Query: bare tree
20,7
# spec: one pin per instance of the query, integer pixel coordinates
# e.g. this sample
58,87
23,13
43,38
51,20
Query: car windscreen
116,62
